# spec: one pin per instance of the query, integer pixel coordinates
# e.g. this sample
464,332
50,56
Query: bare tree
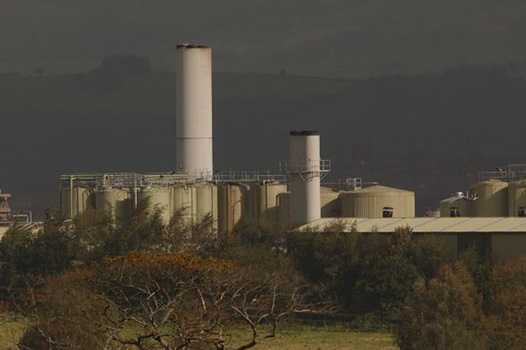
165,301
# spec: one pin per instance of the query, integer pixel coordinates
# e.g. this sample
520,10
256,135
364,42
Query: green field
288,338
318,338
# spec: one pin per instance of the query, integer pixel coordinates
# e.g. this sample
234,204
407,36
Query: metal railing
129,180
305,166
248,176
165,179
512,172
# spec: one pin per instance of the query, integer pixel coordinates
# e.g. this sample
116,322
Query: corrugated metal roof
425,224
456,199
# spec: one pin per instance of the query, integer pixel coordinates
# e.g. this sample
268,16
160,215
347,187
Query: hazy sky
337,38
61,124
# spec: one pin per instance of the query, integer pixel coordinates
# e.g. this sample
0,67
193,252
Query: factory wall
458,206
506,246
448,241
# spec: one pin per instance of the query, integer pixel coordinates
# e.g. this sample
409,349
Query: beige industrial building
228,199
195,189
500,193
9,218
502,238
489,215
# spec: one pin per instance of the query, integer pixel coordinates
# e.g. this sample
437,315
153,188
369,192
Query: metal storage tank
183,202
158,197
206,202
115,202
330,203
517,199
264,200
233,205
492,198
347,204
73,203
458,206
378,201
284,209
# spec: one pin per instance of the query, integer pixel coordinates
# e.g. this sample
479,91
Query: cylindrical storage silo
330,203
233,205
157,198
116,203
492,198
347,204
183,202
76,202
194,110
264,200
305,172
206,202
377,202
284,210
517,199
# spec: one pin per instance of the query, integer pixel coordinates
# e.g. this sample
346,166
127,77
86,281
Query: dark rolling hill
429,132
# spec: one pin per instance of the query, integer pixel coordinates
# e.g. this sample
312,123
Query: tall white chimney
194,110
306,169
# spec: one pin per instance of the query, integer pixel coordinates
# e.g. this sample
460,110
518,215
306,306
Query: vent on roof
454,212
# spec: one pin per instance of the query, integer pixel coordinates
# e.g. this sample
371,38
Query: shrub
443,314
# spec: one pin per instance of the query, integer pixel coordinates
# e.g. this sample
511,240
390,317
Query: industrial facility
9,217
499,193
293,198
195,189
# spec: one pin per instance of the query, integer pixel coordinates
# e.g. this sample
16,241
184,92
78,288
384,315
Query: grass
318,338
10,332
287,338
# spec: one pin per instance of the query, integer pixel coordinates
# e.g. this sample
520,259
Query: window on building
454,212
387,212
522,212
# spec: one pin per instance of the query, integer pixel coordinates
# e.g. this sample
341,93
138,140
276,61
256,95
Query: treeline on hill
146,285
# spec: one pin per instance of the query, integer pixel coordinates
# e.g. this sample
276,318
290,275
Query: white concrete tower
194,110
306,169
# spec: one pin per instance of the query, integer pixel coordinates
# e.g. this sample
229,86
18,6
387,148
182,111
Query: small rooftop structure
5,208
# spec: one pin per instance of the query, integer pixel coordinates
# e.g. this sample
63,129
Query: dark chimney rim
191,46
305,133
